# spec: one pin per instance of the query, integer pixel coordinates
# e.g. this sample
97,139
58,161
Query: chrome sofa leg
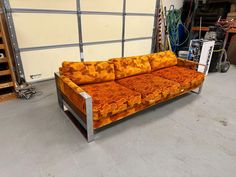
89,116
199,90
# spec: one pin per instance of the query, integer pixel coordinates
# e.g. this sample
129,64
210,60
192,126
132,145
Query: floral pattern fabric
152,88
88,72
186,64
162,60
123,86
130,66
110,98
187,78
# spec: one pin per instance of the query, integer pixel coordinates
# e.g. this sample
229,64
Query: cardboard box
231,52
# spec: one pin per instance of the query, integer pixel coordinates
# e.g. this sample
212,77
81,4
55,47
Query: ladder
7,76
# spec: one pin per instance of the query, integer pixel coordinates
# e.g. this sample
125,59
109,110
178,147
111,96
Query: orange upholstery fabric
130,66
123,86
187,78
186,64
110,98
162,60
88,72
152,88
109,119
72,92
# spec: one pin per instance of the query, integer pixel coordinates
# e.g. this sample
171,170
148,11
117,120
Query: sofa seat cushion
152,88
162,60
110,98
187,78
130,66
88,72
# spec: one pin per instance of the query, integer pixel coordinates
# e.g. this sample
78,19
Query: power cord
173,24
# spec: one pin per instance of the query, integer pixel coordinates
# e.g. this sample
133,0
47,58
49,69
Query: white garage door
49,32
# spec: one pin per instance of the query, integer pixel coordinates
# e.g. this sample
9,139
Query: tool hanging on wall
156,47
162,40
175,27
159,26
161,31
167,36
165,32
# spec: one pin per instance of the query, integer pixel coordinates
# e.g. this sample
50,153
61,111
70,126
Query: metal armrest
192,65
77,101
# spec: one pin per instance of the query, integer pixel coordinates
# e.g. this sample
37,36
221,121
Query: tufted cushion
88,72
130,66
162,60
110,98
152,88
187,78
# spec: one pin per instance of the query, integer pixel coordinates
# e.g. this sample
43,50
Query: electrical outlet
35,76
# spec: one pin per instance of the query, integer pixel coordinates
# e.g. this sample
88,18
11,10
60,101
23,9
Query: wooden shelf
7,96
3,60
8,79
6,85
197,28
2,46
5,72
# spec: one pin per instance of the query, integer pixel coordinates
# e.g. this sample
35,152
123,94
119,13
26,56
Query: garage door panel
102,52
140,47
35,30
102,5
137,26
147,6
42,4
101,27
46,62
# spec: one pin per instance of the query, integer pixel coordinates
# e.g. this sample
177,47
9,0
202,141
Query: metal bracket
205,71
14,43
123,29
155,28
89,116
79,21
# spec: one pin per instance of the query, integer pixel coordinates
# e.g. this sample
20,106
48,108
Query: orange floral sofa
100,93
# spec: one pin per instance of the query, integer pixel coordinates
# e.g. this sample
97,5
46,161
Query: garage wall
39,29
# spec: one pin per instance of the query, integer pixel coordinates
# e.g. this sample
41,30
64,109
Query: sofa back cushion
162,60
88,72
129,66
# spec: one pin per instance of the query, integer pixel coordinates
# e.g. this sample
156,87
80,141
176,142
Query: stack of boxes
231,52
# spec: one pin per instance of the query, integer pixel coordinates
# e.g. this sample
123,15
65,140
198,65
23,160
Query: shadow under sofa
99,93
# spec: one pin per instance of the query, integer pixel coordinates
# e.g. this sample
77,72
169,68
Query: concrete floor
194,136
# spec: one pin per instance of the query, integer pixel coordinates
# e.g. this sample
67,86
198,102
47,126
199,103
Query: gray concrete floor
192,136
